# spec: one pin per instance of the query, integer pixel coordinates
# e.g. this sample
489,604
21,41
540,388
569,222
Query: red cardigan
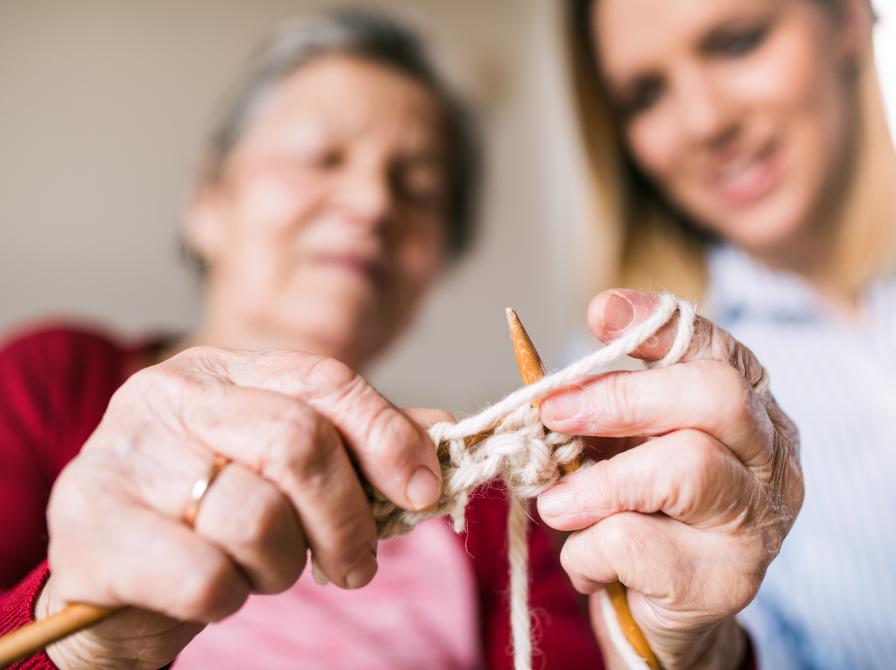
54,387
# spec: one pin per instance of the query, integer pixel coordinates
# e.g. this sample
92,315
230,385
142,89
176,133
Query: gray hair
372,35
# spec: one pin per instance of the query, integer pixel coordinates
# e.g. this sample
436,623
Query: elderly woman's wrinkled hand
698,484
294,429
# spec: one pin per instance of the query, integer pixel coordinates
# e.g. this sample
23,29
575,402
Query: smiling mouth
373,270
746,180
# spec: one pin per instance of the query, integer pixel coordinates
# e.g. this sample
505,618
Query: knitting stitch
527,457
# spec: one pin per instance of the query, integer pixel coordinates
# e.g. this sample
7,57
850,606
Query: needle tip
527,359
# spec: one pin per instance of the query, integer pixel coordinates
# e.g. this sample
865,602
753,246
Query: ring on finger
201,487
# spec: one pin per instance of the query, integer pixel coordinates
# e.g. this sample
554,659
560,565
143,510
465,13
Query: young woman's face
328,223
737,110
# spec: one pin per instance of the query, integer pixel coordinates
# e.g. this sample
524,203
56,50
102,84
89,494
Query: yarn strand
518,555
528,458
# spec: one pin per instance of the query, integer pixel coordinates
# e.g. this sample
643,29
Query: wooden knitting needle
31,638
531,370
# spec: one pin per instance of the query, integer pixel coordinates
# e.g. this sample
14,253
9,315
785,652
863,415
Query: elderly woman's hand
294,427
700,483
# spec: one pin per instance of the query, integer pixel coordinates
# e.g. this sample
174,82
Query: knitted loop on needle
508,441
517,448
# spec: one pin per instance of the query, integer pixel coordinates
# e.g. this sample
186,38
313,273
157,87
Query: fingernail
556,500
618,313
361,574
423,488
563,406
319,577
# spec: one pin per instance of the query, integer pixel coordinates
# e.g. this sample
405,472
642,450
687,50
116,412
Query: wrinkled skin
698,485
294,425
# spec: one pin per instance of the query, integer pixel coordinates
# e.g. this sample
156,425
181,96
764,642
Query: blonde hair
642,243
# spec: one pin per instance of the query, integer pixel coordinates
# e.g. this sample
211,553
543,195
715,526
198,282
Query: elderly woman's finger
613,312
660,560
394,454
668,474
426,416
706,395
200,582
646,553
301,453
248,518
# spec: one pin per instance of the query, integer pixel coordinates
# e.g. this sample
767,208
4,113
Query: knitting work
509,442
517,448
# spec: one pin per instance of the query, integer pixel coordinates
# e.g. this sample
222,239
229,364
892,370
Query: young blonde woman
739,155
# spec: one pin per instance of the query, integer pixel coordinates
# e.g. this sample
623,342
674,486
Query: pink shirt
420,611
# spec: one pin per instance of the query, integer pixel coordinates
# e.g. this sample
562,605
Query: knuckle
744,588
390,433
301,445
167,383
259,518
730,394
327,375
699,468
738,393
625,544
698,457
67,499
617,398
736,590
166,372
293,422
76,496
599,490
202,357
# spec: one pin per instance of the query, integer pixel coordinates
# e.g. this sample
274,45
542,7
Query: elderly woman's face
329,222
735,109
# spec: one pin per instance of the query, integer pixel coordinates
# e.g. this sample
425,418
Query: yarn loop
519,451
508,441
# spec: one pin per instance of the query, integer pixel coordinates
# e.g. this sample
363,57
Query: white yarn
631,658
518,557
528,458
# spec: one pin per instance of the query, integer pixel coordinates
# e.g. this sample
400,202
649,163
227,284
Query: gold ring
201,487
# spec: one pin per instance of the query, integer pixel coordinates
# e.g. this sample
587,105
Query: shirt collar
741,286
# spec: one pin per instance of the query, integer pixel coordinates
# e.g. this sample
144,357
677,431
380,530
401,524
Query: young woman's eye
737,42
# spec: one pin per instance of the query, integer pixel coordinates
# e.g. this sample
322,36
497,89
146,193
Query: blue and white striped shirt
829,599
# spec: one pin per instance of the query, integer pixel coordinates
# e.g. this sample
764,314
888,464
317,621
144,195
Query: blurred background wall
104,106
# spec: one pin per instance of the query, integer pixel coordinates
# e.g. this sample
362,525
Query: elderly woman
337,186
740,154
